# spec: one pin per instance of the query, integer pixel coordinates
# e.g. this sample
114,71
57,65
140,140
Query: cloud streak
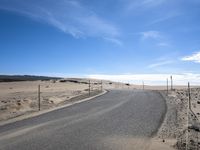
167,62
193,58
165,17
151,35
113,40
69,16
131,5
152,3
163,44
155,36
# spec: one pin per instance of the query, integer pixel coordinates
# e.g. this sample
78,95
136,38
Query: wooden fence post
89,88
171,83
39,97
167,87
101,85
189,95
143,85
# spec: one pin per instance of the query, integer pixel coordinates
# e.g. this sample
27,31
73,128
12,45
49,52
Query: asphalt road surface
118,120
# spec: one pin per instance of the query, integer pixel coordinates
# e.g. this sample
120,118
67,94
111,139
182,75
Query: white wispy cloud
162,63
131,5
152,2
113,40
151,79
70,16
151,35
193,58
163,44
159,38
165,17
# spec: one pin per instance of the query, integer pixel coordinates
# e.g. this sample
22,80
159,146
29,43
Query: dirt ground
179,118
18,98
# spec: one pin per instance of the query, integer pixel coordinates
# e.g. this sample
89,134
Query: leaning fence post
39,97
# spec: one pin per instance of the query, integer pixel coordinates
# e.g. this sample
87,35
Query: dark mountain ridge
15,78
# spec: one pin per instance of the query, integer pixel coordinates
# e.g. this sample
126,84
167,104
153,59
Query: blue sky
101,39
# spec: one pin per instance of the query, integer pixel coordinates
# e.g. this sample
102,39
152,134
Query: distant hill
14,78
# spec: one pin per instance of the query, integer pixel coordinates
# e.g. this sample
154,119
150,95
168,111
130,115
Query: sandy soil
18,98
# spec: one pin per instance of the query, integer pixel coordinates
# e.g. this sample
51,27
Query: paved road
118,120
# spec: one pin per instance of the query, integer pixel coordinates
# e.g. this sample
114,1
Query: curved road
118,120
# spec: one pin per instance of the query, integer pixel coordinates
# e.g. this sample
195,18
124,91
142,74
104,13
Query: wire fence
94,88
188,139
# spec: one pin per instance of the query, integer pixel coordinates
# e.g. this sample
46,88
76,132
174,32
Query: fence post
167,87
188,107
171,83
89,88
101,85
39,97
143,85
189,95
